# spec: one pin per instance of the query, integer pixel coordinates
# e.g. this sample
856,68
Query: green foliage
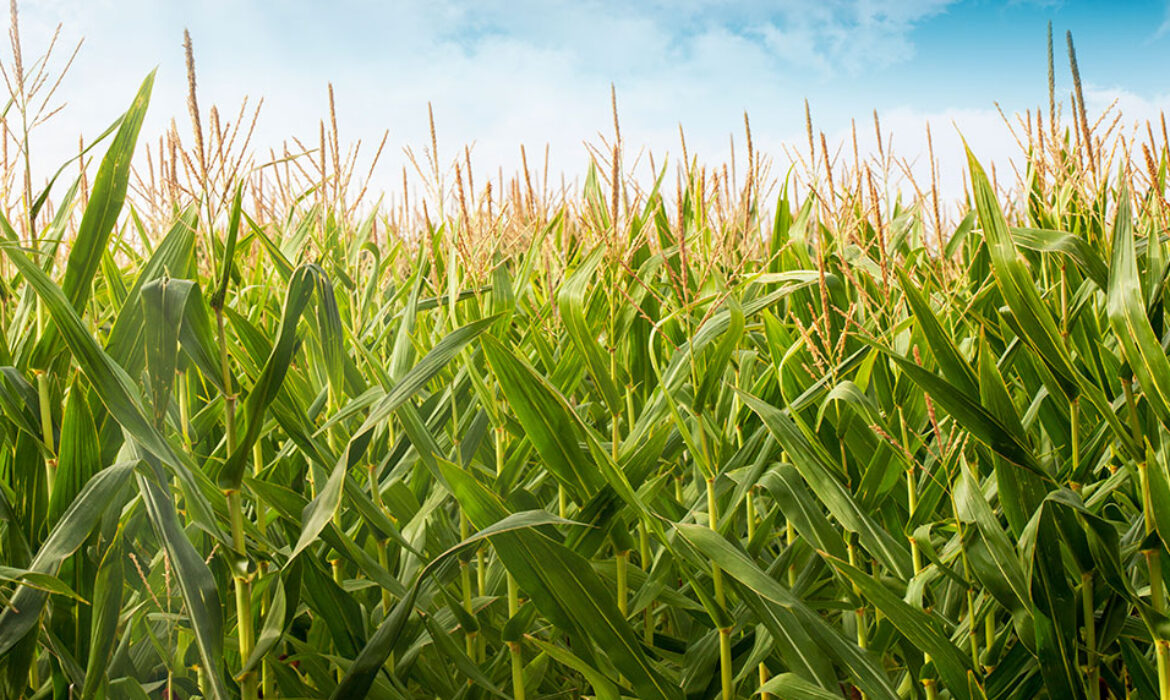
644,453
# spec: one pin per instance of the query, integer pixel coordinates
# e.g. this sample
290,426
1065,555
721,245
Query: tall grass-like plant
716,437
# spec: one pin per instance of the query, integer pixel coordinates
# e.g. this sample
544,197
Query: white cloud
1164,27
502,73
846,34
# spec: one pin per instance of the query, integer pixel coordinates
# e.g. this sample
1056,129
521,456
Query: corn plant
721,442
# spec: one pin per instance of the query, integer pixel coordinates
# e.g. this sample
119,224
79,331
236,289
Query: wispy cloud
1164,27
501,73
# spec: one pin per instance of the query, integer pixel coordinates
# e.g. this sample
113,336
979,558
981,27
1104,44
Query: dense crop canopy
622,445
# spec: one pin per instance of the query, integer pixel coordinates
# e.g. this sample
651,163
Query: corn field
718,437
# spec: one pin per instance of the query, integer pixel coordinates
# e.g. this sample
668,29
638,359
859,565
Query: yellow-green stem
465,581
1163,650
750,507
47,431
912,503
480,588
244,630
859,612
623,559
229,396
266,678
383,544
185,411
725,677
644,556
789,540
517,670
973,630
713,523
725,667
1157,588
331,437
257,467
1074,424
911,493
514,647
989,634
916,555
1089,610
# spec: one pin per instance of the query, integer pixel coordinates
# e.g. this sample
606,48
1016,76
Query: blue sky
501,73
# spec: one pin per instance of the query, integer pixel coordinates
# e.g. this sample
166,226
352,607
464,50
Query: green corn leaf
361,673
995,561
280,616
784,484
107,609
981,424
545,416
450,650
601,684
953,365
114,387
39,581
789,686
75,525
174,257
229,249
78,455
563,587
321,509
163,305
300,291
1015,281
923,631
814,465
1054,611
105,201
1076,248
1127,317
194,578
572,301
862,668
1020,491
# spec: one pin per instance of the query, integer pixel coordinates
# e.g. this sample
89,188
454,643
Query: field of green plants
718,438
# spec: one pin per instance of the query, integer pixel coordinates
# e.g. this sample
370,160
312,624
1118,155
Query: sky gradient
501,73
